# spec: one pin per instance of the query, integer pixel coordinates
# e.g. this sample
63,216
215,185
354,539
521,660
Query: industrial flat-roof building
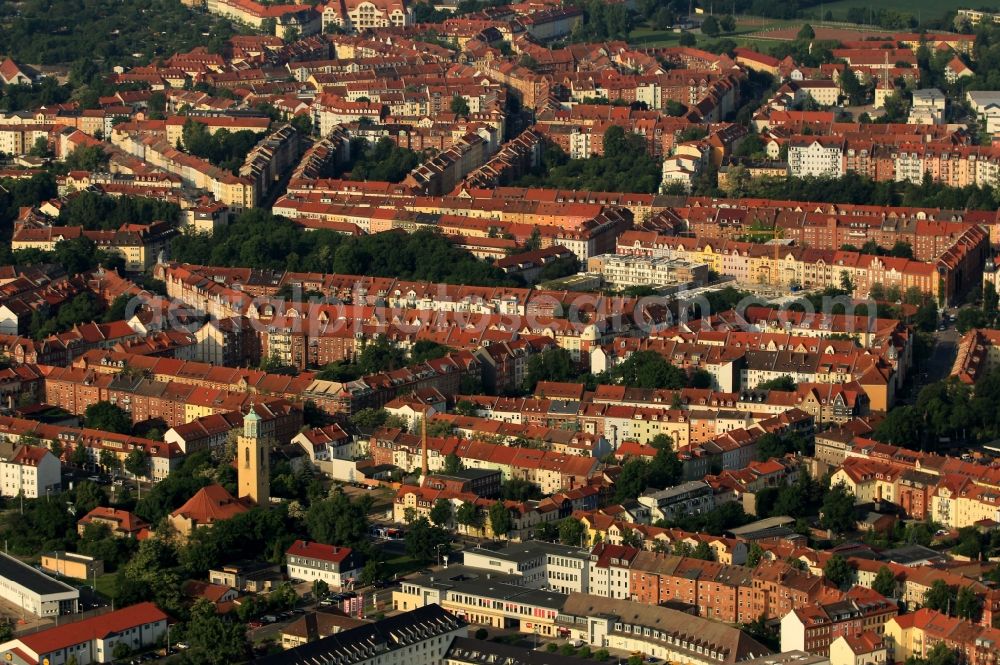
34,591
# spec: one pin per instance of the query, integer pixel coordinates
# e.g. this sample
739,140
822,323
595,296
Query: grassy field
401,565
921,8
651,37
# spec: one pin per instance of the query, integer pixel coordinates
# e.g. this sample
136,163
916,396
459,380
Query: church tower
252,462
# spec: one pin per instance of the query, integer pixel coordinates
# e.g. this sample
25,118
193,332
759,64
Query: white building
859,649
656,631
683,167
338,566
821,156
691,498
541,565
356,15
609,570
89,641
32,470
35,592
623,270
928,107
986,105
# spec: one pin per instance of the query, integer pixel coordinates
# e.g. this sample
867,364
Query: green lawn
401,565
106,585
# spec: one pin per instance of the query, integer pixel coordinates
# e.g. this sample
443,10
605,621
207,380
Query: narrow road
938,366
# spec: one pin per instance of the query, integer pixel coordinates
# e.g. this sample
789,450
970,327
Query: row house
345,398
915,634
813,627
163,457
945,278
551,471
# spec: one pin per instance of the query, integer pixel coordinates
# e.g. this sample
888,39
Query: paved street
942,357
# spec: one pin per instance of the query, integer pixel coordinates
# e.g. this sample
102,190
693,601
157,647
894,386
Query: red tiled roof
333,553
54,639
211,504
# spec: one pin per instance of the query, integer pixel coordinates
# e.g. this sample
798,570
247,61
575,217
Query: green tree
107,417
902,249
41,148
855,92
89,495
465,408
121,650
320,589
80,457
425,542
551,365
340,521
806,32
941,597
754,555
710,26
468,515
838,571
371,573
885,582
940,654
459,106
727,23
370,418
500,520
452,464
838,509
968,604
783,383
137,463
109,460
572,532
441,513
213,639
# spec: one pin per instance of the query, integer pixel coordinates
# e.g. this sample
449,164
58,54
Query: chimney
312,630
423,445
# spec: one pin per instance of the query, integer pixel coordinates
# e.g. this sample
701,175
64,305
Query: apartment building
29,470
622,271
360,15
816,626
917,633
163,457
690,498
818,156
339,567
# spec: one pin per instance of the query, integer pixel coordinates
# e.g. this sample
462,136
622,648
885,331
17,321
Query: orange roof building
209,505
